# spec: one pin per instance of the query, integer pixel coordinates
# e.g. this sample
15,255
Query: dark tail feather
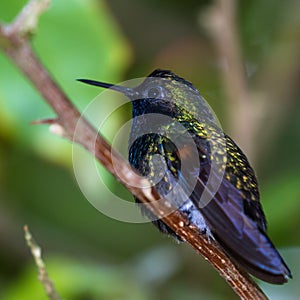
276,273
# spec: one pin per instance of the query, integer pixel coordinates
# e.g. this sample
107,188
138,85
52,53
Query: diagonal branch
17,47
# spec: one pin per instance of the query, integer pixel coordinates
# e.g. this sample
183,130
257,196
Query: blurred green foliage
101,258
79,280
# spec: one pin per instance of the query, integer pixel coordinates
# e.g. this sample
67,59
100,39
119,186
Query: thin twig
42,272
17,47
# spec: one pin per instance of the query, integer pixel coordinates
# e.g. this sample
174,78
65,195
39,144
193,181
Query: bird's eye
154,92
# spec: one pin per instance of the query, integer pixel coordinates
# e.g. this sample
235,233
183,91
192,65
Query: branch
17,47
221,23
278,82
43,275
256,114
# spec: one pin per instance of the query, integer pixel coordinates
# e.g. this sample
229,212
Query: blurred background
89,255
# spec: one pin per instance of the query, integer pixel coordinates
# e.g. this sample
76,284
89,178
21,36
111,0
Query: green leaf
73,39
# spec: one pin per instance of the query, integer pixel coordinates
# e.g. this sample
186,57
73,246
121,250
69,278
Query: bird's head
162,92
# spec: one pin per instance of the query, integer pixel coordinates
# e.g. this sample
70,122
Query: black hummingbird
234,215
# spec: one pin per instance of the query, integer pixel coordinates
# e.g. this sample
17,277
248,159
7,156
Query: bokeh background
88,255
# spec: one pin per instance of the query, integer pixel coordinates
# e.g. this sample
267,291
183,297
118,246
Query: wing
236,219
234,214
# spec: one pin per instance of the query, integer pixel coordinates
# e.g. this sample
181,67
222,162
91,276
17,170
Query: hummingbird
184,131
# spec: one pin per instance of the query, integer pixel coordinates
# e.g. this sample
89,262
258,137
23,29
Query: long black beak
129,92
